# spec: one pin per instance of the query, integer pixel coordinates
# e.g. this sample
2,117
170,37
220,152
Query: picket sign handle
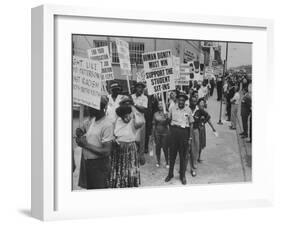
163,103
128,83
81,115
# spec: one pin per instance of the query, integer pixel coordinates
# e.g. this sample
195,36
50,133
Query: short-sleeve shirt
235,99
111,107
97,133
125,132
141,100
160,123
181,117
202,92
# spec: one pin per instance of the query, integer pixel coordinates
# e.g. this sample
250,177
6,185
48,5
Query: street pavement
226,158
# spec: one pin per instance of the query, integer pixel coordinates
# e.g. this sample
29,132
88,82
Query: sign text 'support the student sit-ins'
87,82
101,54
158,67
124,56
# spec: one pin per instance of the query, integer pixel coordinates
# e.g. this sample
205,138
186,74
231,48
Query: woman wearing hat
125,171
95,137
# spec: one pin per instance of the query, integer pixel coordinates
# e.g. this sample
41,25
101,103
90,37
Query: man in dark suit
219,88
230,93
246,104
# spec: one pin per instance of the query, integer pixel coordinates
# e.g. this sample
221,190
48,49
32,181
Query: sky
238,54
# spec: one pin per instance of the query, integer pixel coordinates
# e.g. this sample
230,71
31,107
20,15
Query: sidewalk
225,158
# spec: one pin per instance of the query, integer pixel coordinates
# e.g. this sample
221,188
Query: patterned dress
125,166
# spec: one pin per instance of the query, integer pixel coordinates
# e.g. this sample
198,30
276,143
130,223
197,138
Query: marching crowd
115,138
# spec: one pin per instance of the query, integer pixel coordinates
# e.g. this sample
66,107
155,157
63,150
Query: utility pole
223,77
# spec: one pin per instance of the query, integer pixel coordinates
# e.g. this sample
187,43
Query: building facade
185,49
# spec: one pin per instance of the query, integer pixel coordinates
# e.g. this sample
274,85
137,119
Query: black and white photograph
160,112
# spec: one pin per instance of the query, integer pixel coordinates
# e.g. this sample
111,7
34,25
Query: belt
179,127
98,159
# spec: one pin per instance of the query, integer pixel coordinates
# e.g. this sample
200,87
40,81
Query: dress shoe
193,173
168,178
244,136
183,180
241,134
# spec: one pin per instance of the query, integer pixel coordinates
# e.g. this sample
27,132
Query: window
136,50
100,43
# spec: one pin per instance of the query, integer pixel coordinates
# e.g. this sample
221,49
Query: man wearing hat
181,121
113,101
141,104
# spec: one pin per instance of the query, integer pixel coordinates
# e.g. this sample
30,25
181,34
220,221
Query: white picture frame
51,199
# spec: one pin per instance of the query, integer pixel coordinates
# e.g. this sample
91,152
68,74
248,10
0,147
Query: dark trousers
219,90
245,117
228,109
97,173
179,144
161,141
212,89
250,119
147,135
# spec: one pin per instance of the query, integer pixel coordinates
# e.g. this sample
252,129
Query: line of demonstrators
114,139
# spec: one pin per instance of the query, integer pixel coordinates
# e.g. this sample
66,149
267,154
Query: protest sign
101,54
218,71
188,55
209,72
124,56
176,66
197,71
184,76
159,71
87,82
140,76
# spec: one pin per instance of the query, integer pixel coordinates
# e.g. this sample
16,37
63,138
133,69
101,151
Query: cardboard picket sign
184,75
159,71
198,70
218,71
102,55
87,84
124,56
209,72
176,66
140,76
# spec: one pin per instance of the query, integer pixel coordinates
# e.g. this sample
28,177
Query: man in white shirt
181,121
113,101
234,107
